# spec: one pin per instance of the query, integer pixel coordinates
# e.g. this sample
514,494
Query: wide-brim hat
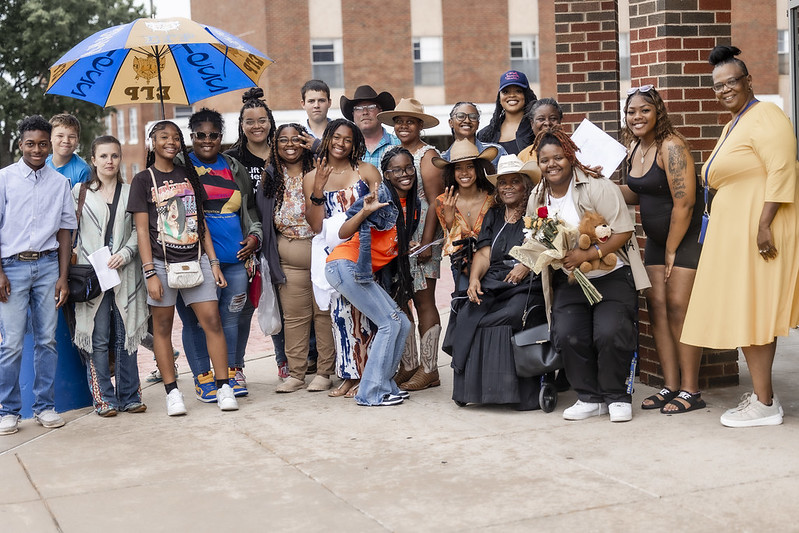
365,92
408,107
511,164
465,150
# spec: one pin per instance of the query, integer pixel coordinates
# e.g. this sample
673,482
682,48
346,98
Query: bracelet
149,274
214,262
317,201
598,251
148,264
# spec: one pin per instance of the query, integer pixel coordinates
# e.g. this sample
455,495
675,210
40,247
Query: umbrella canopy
174,60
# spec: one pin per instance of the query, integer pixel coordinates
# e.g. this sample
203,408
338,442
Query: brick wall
291,47
587,57
546,49
476,49
669,44
383,58
754,31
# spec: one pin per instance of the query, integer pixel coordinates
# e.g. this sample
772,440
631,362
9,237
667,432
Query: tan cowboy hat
365,92
511,164
408,107
465,150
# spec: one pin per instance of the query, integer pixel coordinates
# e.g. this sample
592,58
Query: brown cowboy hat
465,150
365,92
511,164
408,107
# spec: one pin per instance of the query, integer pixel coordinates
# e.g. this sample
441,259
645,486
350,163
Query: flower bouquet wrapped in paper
546,242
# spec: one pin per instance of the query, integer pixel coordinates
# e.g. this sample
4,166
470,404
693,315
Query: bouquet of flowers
547,239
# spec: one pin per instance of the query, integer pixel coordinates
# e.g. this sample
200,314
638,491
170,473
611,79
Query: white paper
421,249
597,148
107,276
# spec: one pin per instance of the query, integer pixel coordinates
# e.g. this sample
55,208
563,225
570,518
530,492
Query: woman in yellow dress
745,293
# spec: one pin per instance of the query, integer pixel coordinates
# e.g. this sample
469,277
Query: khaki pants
299,309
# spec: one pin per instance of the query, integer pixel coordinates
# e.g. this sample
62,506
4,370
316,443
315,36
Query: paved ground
306,462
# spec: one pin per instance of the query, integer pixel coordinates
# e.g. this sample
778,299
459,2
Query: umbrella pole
160,86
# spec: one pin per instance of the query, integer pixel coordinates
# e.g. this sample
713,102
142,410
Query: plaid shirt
385,143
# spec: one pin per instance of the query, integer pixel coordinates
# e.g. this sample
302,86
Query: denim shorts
204,292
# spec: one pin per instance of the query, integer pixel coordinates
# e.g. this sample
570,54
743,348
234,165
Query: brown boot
427,374
409,362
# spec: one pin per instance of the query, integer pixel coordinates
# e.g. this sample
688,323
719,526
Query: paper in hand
107,276
597,148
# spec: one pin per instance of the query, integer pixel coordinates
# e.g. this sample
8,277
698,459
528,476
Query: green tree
35,34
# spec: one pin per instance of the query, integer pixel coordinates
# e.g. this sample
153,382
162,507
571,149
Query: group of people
351,223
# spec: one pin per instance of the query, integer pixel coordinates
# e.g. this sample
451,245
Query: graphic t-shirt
175,214
221,207
253,164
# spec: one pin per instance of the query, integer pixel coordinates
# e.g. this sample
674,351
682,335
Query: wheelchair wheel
548,397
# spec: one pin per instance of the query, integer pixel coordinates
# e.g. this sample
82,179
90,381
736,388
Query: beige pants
299,309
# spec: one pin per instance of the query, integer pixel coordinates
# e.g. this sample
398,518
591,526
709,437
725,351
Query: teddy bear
594,229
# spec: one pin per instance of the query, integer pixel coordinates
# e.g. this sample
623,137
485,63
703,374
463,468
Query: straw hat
365,92
408,107
511,164
465,150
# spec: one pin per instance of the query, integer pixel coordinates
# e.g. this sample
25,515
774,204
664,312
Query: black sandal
694,401
660,399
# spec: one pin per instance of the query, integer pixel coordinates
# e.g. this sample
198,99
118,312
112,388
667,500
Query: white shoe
620,412
50,419
226,399
582,410
751,412
9,424
174,403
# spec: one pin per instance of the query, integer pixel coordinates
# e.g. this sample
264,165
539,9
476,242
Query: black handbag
83,283
533,353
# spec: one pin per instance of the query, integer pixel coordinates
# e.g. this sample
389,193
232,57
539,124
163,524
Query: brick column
289,45
587,57
547,74
669,44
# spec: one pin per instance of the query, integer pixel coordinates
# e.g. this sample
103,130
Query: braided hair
559,137
275,187
252,99
191,173
406,226
358,142
492,131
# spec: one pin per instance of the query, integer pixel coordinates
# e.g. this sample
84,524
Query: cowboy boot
427,374
408,363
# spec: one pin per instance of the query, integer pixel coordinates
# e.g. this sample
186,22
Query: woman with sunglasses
509,127
464,119
229,212
662,179
754,222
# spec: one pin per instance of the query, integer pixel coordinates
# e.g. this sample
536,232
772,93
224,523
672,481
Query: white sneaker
582,410
226,399
620,412
50,419
9,424
751,412
241,379
174,403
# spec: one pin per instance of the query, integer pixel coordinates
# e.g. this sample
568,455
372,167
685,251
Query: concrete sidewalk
307,462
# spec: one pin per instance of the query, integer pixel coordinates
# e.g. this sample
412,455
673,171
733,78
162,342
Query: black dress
479,336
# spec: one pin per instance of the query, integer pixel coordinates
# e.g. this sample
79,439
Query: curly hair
482,168
191,172
252,99
528,189
34,123
358,142
206,115
556,136
276,186
492,130
663,126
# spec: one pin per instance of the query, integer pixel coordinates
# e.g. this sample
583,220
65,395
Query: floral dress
432,268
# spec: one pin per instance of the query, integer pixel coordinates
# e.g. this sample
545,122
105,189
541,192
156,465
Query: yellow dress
738,298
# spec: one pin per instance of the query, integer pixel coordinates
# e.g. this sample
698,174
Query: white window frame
121,126
428,61
528,61
133,125
320,69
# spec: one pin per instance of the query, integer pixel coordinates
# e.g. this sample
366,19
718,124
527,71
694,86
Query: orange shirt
384,247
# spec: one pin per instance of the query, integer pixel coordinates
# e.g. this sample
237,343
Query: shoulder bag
533,353
82,281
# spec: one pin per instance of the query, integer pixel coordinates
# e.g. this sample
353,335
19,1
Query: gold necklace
644,152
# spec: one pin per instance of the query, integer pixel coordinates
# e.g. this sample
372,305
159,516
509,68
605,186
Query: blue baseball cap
513,77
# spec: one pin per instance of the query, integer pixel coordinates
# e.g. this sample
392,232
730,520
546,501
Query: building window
183,111
524,55
134,169
428,61
123,171
121,126
326,62
783,51
109,125
624,56
133,125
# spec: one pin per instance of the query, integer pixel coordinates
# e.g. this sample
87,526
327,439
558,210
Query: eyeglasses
285,140
643,88
251,122
460,116
368,108
399,172
201,135
729,84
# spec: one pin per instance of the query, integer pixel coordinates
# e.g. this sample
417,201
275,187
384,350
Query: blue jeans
231,305
32,288
392,329
109,330
245,320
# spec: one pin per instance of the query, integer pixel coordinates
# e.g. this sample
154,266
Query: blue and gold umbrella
174,60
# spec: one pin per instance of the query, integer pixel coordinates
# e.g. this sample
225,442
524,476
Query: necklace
108,197
644,152
339,171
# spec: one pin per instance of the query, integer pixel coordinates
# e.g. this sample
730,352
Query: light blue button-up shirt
385,143
34,205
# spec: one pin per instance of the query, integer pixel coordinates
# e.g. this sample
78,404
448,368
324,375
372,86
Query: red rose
542,212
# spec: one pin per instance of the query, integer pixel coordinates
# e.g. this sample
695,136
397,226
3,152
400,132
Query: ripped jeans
231,304
392,329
